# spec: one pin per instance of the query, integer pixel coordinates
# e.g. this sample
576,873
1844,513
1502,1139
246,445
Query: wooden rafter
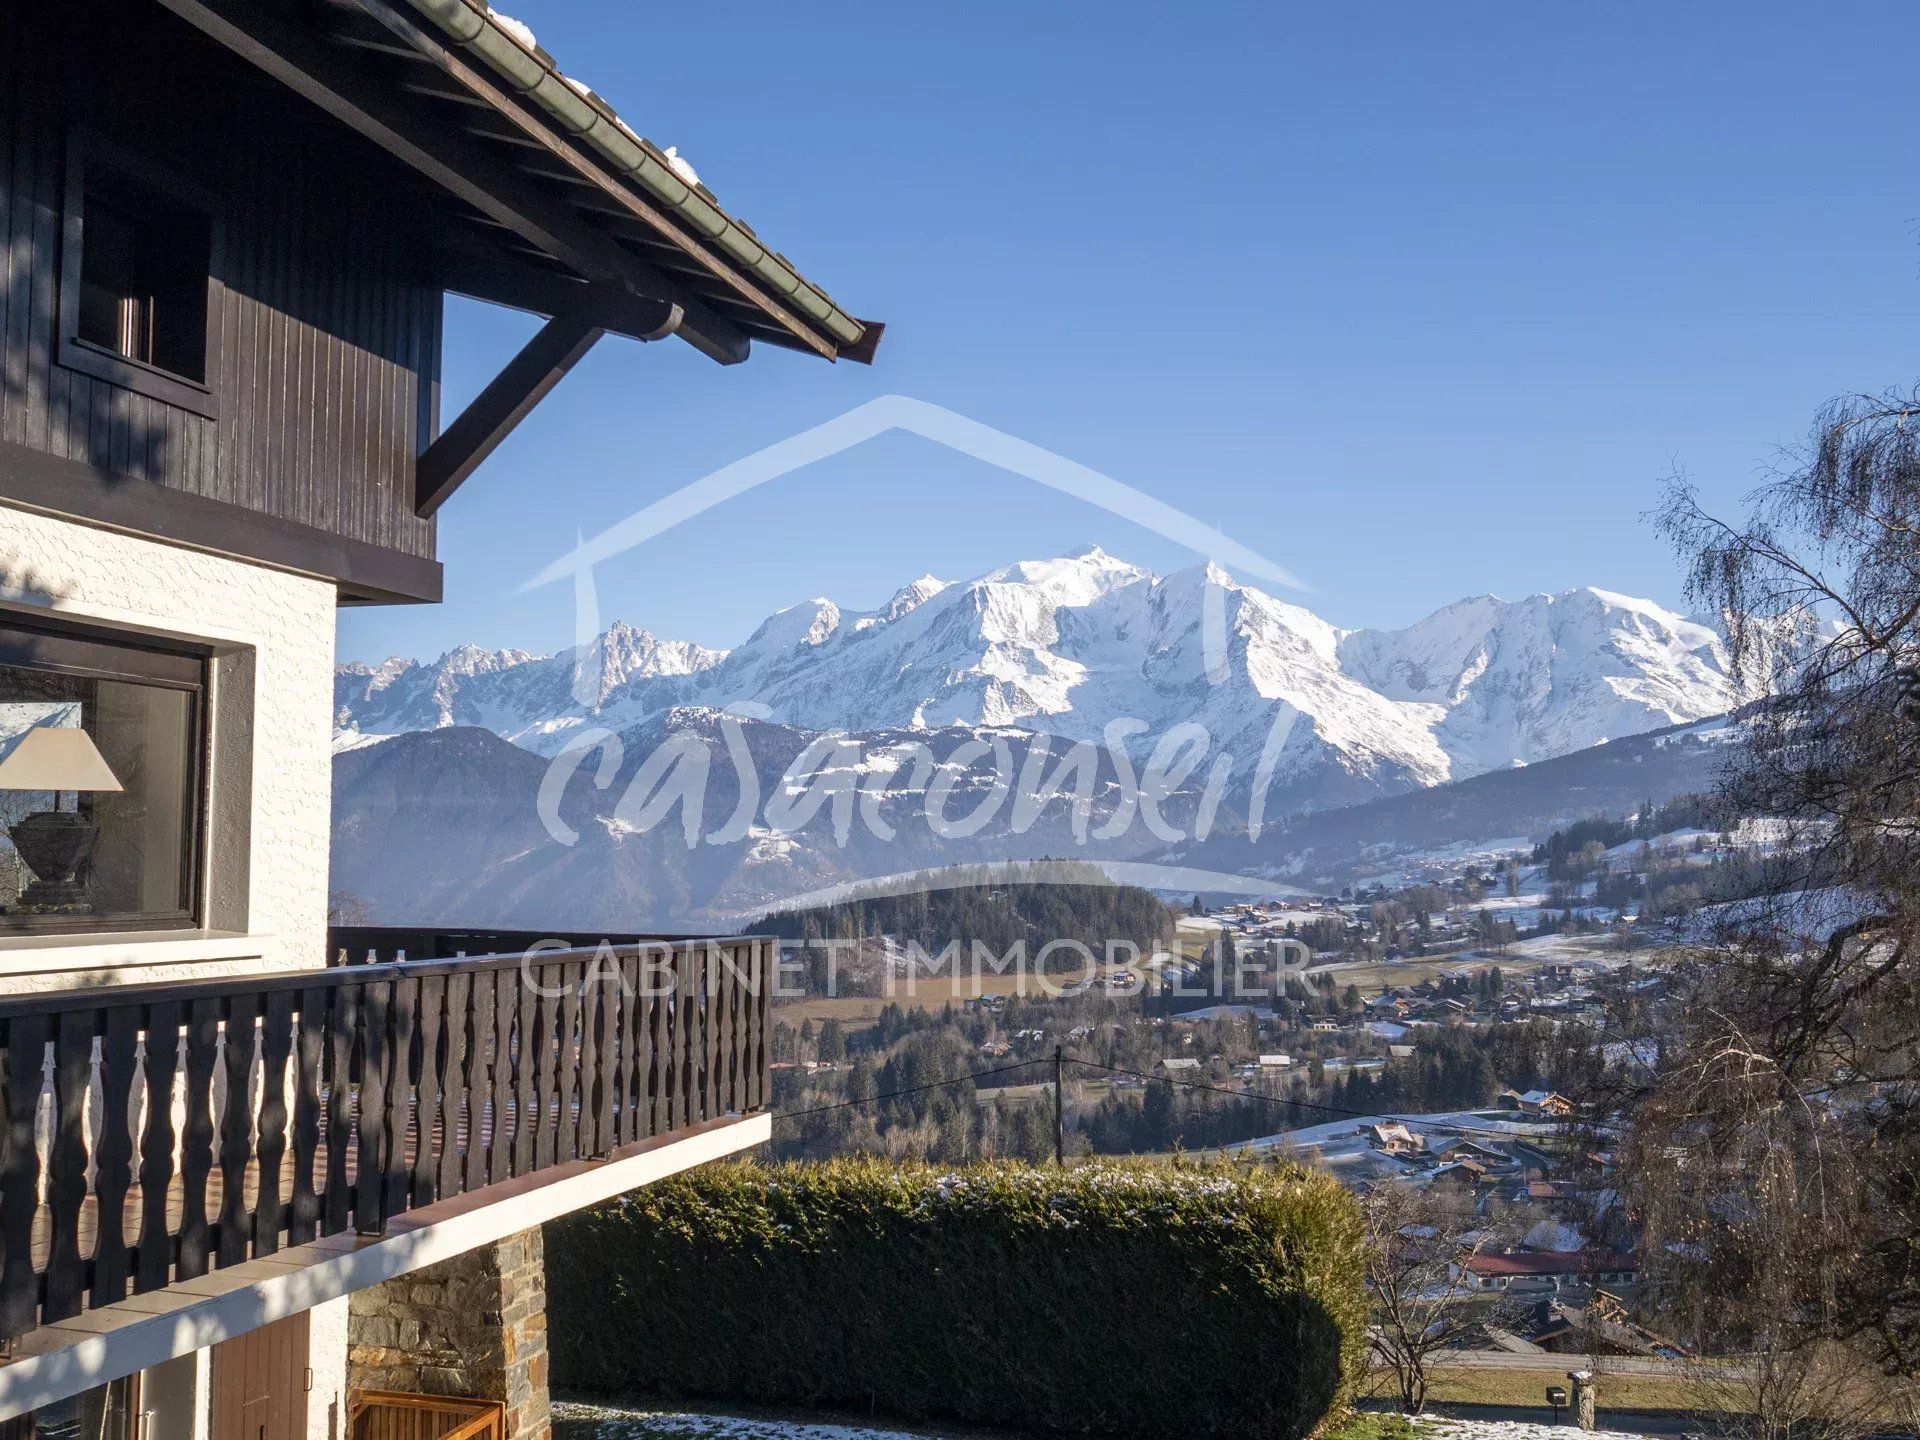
313,68
796,333
524,382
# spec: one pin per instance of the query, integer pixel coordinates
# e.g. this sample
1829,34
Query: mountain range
1066,646
982,676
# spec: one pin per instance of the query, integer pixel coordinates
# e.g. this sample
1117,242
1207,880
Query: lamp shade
56,757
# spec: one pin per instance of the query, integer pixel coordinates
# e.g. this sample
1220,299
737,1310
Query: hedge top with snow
1117,1299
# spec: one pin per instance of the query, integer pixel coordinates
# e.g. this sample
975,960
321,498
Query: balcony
160,1134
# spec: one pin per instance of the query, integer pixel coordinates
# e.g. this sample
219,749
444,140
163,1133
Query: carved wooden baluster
236,1128
567,1072
660,1045
506,1009
455,1092
196,1145
162,1059
546,1067
113,1161
769,960
26,1061
303,1212
480,1058
276,1048
436,1136
343,1022
626,1127
376,1072
529,1100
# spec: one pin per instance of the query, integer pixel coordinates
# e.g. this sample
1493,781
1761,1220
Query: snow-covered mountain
1069,645
1513,682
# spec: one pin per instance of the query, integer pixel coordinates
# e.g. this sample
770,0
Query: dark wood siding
327,325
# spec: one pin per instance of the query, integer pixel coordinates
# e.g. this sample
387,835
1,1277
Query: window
103,1413
136,276
102,744
143,278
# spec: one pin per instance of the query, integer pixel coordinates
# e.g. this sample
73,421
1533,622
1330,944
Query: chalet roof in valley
554,200
1550,1262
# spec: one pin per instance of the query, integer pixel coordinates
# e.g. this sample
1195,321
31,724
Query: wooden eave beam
508,398
480,272
540,130
315,69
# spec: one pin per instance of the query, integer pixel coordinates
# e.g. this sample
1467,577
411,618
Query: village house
1456,1147
1463,1171
1598,1326
1544,1103
1530,1161
1547,1270
1392,1137
256,1185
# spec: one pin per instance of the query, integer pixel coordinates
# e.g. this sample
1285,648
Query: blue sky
1419,300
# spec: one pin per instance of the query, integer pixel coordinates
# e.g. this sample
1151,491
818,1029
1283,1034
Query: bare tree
1418,1281
344,907
1789,1096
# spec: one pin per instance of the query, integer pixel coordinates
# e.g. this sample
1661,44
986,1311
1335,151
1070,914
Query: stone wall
475,1325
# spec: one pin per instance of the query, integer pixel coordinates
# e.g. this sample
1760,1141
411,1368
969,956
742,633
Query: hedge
1113,1299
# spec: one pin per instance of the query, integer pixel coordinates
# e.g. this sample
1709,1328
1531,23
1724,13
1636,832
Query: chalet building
1599,1326
1547,1270
1392,1137
249,1191
1485,1156
1459,1174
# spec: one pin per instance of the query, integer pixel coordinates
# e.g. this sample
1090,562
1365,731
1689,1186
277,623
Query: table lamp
55,844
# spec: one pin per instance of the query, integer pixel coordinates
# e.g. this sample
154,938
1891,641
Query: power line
909,1090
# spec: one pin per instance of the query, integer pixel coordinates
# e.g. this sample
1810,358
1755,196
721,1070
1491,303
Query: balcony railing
150,1134
382,944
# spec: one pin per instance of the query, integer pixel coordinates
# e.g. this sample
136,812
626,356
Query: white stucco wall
275,631
327,1358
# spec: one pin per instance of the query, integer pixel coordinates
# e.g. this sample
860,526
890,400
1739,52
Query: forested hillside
999,912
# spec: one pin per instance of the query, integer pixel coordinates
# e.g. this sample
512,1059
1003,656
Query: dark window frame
86,150
97,652
26,1427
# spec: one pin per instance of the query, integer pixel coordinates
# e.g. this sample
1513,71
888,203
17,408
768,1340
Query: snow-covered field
1339,1146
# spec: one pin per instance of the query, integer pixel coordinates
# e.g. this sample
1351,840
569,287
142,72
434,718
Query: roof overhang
554,204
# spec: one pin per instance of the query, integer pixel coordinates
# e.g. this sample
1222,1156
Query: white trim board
97,1346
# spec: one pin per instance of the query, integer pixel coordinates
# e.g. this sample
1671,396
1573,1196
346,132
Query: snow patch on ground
1435,1428
593,1422
604,1423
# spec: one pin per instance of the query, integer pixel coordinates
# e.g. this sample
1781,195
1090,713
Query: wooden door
260,1383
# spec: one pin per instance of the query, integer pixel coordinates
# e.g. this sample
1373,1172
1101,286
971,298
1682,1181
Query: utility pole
1059,1113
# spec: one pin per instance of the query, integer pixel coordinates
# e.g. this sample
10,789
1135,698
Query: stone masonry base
475,1325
